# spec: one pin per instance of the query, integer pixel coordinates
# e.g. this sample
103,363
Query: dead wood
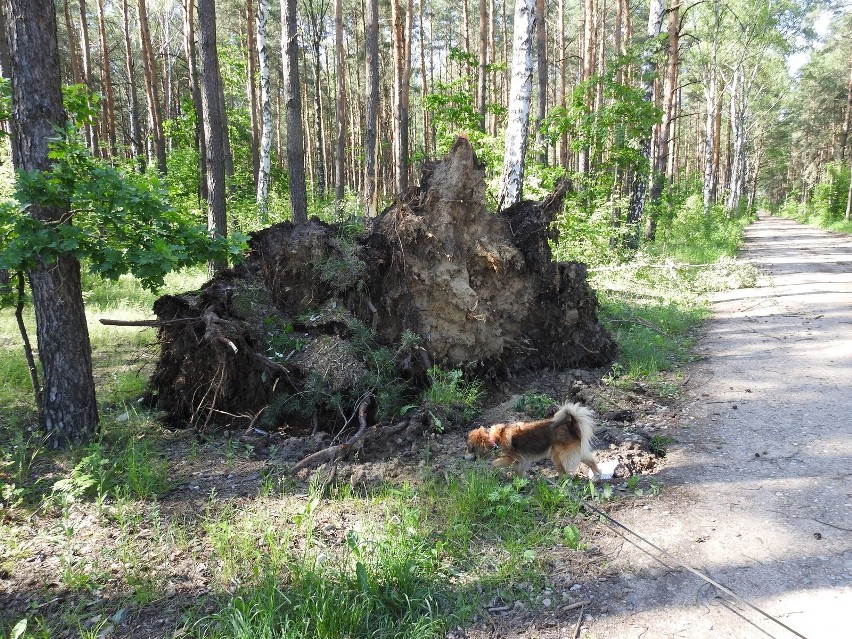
334,453
319,313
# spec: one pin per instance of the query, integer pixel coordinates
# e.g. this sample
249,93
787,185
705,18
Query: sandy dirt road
757,490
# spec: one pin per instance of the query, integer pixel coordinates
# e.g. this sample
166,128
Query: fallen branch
114,322
333,453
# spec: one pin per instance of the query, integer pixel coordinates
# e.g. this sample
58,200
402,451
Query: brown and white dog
566,439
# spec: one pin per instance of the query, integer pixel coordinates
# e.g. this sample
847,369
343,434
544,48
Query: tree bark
709,190
847,122
214,130
541,55
293,107
195,90
89,129
482,86
316,18
371,33
340,108
512,181
401,89
661,158
149,67
265,114
251,90
423,86
107,76
138,149
589,50
563,82
648,69
69,408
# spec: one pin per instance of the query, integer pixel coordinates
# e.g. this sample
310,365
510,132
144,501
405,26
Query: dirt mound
320,316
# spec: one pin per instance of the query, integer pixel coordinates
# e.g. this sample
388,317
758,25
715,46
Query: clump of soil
321,316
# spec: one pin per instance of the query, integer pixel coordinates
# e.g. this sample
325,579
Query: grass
410,560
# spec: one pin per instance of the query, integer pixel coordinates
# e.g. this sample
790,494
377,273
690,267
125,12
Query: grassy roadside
99,542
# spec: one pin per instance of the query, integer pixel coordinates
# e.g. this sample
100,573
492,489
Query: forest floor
755,492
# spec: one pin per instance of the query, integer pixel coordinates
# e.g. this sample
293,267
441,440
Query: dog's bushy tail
583,418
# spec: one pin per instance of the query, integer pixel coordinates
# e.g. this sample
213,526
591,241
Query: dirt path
757,491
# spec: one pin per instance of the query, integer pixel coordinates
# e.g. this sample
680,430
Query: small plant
659,444
535,405
572,538
449,390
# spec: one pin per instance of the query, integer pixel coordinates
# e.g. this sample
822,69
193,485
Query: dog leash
615,524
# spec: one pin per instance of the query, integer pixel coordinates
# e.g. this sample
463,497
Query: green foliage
119,222
449,389
535,405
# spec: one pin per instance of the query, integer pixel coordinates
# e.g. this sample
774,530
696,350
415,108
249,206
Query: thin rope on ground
614,524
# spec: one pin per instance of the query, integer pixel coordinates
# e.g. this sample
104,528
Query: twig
579,620
114,322
575,605
333,453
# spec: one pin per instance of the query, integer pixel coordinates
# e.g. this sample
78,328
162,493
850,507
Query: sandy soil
757,491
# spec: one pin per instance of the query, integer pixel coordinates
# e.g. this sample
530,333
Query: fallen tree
321,316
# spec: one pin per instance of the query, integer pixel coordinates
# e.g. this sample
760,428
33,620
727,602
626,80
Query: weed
535,405
449,389
659,444
572,538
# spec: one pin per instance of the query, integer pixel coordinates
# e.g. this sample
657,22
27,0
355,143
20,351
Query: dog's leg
570,458
557,462
593,466
502,461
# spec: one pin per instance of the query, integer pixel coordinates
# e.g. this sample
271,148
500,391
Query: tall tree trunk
90,130
640,182
661,158
251,91
402,81
69,410
151,87
423,87
195,90
214,131
316,16
563,81
541,56
371,33
107,75
265,114
482,87
710,174
512,180
293,107
847,122
589,50
138,148
339,108
73,46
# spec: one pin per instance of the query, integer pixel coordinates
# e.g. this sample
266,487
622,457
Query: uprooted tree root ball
322,317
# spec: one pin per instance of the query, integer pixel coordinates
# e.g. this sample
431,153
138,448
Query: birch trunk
541,55
265,114
648,69
512,180
251,90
